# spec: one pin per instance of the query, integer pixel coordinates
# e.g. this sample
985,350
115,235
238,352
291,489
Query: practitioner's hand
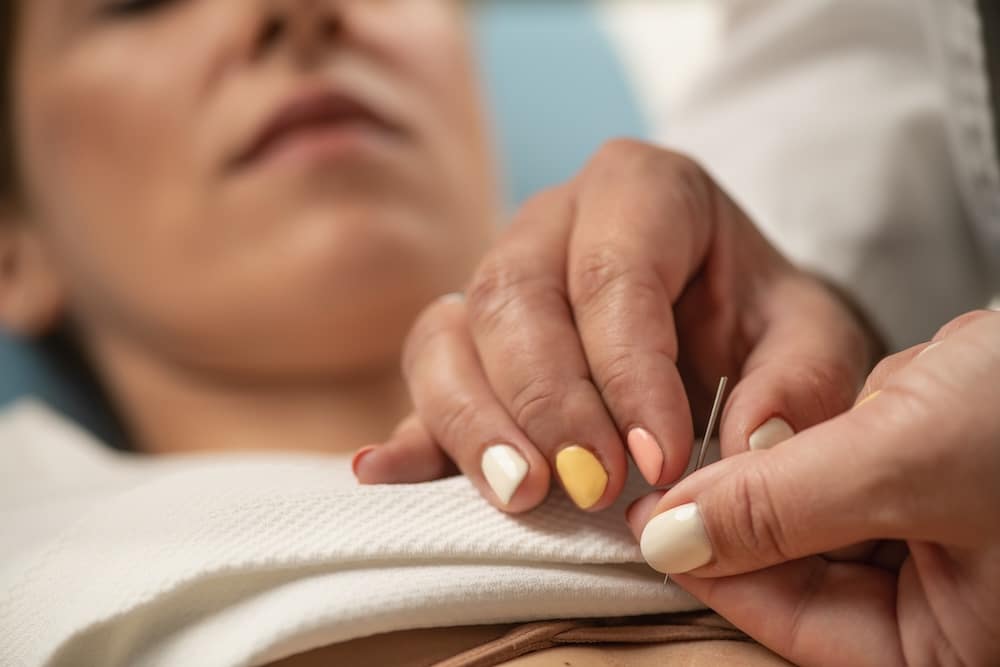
606,316
917,461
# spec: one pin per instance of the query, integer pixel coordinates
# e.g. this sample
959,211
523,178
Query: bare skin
255,307
242,231
243,305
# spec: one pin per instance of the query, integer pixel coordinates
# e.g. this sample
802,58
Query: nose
301,29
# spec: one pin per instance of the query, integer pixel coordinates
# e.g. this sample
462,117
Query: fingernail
867,398
646,453
361,453
504,469
772,432
583,476
675,542
454,297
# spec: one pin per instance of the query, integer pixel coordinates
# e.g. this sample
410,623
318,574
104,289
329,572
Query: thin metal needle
711,423
708,435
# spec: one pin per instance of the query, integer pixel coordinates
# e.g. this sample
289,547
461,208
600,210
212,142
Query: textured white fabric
215,560
856,133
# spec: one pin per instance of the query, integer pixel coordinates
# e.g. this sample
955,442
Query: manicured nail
646,453
583,476
361,453
504,469
867,398
675,542
772,432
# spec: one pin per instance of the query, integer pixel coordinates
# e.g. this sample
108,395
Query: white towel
108,559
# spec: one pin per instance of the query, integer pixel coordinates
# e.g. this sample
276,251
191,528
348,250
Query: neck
170,410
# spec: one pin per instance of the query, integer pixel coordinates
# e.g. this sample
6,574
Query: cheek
102,145
432,44
109,171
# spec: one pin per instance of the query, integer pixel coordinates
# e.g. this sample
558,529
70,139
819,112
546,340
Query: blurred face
262,186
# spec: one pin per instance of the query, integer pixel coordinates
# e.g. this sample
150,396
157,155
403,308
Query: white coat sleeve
828,121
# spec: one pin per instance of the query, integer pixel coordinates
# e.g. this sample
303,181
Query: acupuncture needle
713,417
711,423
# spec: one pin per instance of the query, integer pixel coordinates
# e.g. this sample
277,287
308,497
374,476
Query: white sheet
222,560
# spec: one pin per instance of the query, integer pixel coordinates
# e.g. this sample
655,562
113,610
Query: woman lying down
240,228
239,209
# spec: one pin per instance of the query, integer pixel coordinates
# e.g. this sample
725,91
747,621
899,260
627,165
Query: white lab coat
857,133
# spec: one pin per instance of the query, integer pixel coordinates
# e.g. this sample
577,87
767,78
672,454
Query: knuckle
455,422
616,375
543,203
537,400
431,326
623,160
623,149
693,187
494,287
757,528
961,322
549,204
883,370
623,377
601,274
604,276
500,284
828,387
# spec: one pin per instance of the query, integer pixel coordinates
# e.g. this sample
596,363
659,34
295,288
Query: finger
891,365
855,478
462,414
888,367
961,322
803,610
528,344
641,510
806,368
795,608
409,456
643,230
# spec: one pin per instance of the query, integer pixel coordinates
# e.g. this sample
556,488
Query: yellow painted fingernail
582,474
868,398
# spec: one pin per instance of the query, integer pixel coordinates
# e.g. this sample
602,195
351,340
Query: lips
312,114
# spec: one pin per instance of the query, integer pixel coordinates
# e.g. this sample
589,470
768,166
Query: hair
8,173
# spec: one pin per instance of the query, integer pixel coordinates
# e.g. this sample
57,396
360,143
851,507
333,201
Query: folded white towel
108,559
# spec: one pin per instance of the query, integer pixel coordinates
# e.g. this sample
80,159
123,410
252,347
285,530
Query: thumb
831,486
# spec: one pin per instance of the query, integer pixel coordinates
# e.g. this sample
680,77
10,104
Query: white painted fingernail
504,469
675,542
772,432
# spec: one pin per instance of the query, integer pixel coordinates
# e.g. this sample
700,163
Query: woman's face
260,186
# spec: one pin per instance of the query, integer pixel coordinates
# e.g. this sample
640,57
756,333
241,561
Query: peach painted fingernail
771,433
646,453
504,469
582,475
361,454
